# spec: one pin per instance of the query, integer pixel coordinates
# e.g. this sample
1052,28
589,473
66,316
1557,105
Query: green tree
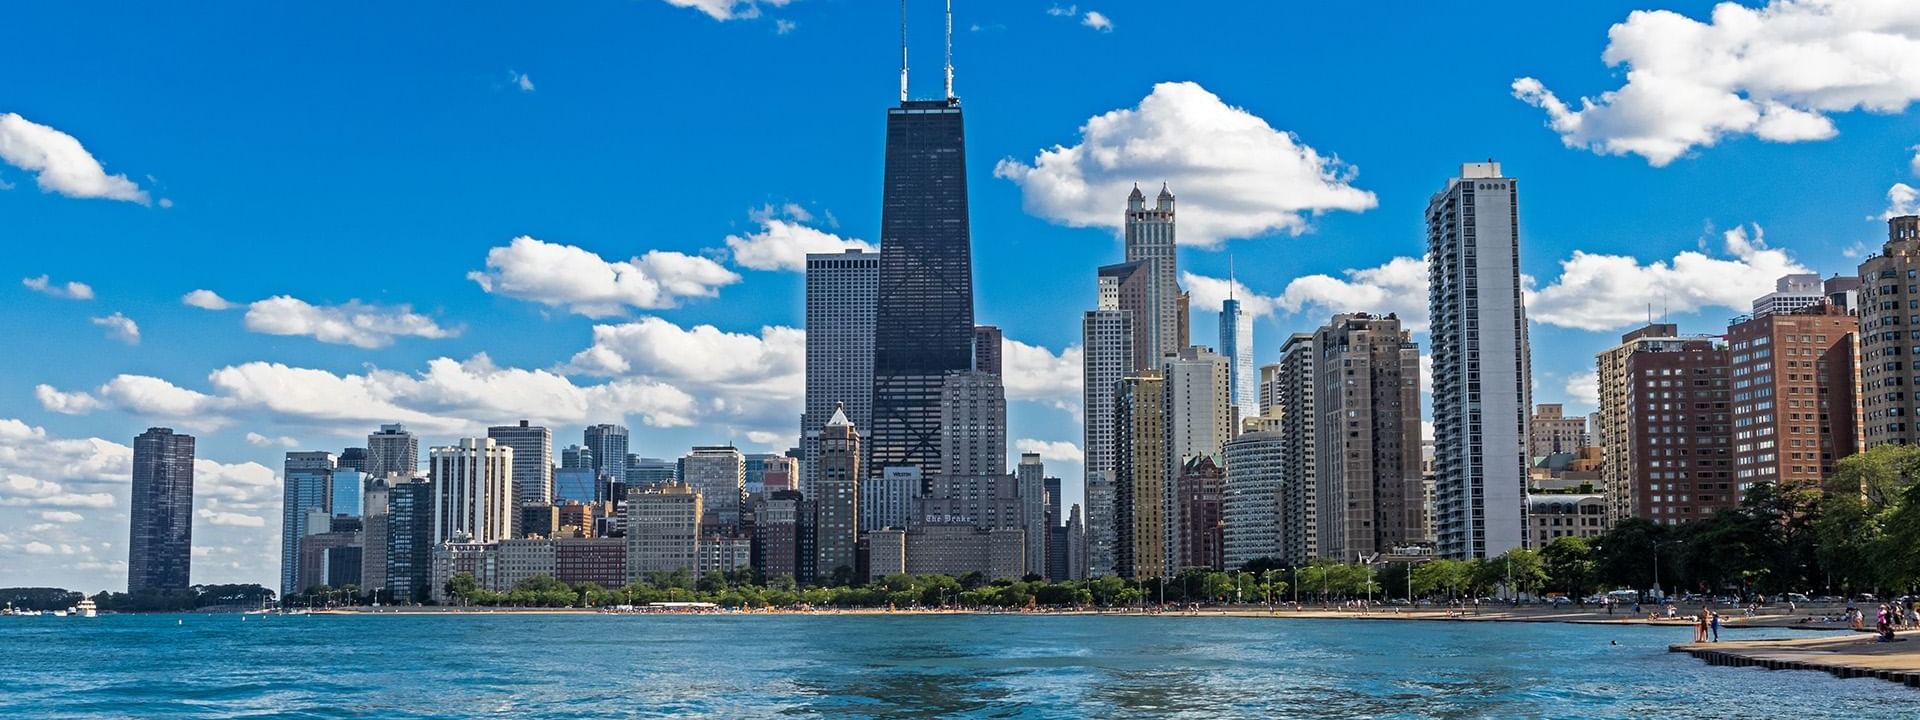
1569,566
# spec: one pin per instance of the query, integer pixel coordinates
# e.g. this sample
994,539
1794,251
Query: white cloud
61,516
1399,287
206,300
1235,175
254,438
1607,292
65,403
1584,387
71,290
1050,450
1031,372
449,397
1426,374
354,323
120,327
37,548
765,437
1068,11
728,9
783,242
231,519
61,164
1913,165
773,362
520,80
1775,72
1902,199
783,27
1097,20
579,280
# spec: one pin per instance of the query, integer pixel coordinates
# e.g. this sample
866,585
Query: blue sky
358,166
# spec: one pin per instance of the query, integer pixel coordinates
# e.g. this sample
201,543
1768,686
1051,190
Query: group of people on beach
1888,618
1706,626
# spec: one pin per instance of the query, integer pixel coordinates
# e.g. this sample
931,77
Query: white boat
86,608
59,613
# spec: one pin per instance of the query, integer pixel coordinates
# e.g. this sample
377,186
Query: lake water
877,666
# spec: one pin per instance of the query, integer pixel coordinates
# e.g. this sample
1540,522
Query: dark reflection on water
885,667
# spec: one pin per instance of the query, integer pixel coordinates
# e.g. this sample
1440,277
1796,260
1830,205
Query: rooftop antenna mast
1230,280
903,51
949,52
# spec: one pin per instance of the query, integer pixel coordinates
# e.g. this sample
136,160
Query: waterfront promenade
1849,655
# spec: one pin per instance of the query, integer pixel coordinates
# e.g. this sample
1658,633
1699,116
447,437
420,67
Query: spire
903,51
839,418
1230,282
1164,193
1135,195
949,52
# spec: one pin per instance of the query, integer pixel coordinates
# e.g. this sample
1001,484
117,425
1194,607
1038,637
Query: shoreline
1857,655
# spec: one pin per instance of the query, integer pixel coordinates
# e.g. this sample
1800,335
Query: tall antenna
949,51
903,51
1230,281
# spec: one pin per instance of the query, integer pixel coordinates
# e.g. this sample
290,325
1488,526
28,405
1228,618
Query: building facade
1202,521
1681,424
532,447
1371,493
1482,375
1551,431
607,445
1890,288
719,474
837,505
1140,477
663,529
308,489
1236,345
393,450
1250,497
842,289
475,501
1295,384
1150,242
1795,385
1199,422
160,517
1613,427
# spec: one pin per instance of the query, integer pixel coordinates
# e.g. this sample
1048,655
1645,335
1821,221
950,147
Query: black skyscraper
160,538
923,326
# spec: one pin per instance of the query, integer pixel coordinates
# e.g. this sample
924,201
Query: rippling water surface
877,666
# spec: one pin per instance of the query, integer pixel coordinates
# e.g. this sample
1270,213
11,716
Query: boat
59,613
86,608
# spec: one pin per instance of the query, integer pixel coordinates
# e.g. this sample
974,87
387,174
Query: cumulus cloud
206,300
783,241
61,516
1399,287
520,80
65,403
1032,372
1097,20
120,327
232,519
580,281
354,323
1068,11
1608,292
1050,450
70,291
1584,387
1776,72
60,163
724,10
449,397
1236,176
772,362
256,439
1902,199
1914,164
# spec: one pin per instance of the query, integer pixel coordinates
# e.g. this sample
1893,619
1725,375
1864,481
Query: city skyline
712,356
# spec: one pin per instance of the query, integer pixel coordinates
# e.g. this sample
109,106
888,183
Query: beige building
1551,431
1371,491
837,499
886,553
663,529
960,549
1556,515
1889,384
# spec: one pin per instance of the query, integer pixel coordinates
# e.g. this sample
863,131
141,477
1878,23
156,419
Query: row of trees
197,597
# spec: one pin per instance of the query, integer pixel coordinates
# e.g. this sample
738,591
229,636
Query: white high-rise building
474,486
973,424
1107,335
1482,374
841,292
532,463
1791,292
719,474
1199,422
1250,503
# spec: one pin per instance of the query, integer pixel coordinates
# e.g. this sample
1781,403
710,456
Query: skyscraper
409,538
1150,242
1678,399
532,463
475,499
1783,364
160,519
1294,388
1199,421
575,456
1482,379
987,341
309,487
1236,345
1371,491
1250,501
841,291
1615,416
837,507
1030,485
973,416
1107,338
719,474
392,450
608,443
923,325
663,529
1887,293
1140,477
